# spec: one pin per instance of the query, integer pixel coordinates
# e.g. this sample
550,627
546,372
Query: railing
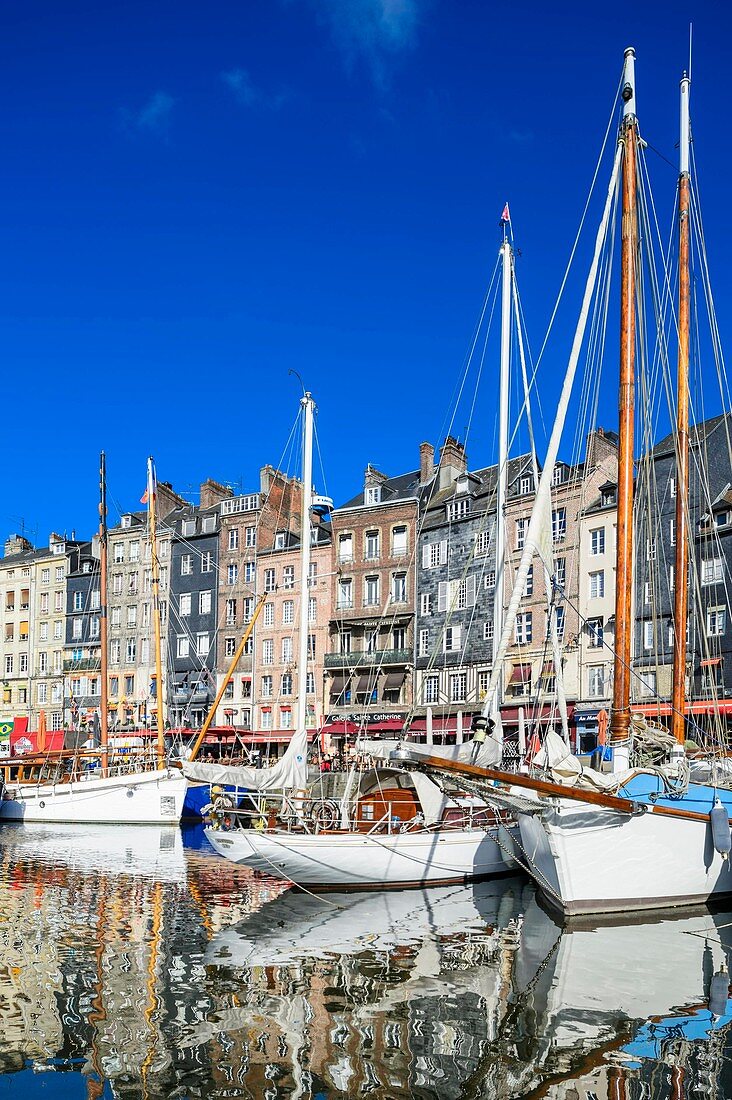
86,664
363,657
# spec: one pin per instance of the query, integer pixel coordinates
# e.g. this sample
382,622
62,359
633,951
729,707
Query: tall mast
620,719
498,592
103,632
151,503
681,563
308,406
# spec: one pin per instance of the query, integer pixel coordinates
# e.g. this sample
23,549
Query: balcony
359,658
86,664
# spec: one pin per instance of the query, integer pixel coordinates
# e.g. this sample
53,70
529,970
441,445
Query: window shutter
442,589
426,556
456,640
443,552
470,591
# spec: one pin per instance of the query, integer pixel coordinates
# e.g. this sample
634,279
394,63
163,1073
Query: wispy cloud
154,115
240,84
373,32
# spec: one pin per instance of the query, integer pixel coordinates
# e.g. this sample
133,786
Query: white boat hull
586,859
143,798
363,861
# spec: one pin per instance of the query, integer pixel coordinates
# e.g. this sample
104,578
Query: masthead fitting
628,90
685,130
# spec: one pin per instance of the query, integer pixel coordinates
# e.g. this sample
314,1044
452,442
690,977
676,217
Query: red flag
505,216
144,498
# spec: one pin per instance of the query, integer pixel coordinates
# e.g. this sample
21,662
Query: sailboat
394,831
95,784
641,838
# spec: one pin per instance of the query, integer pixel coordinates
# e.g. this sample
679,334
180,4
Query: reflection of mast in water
95,1081
153,1003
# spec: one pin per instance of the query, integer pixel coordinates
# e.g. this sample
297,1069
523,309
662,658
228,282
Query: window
279,542
672,486
266,719
129,685
526,484
42,662
721,519
458,687
399,588
58,601
182,646
250,536
132,615
208,525
268,617
288,576
206,561
286,686
42,693
59,574
651,549
204,603
372,545
596,633
232,573
43,635
716,621
372,494
45,576
482,543
597,584
456,595
310,683
345,593
114,651
371,638
229,647
559,524
425,603
266,687
712,571
131,651
529,586
185,605
118,552
285,718
311,647
648,633
269,580
164,576
424,643
233,538
488,628
135,549
597,541
712,677
186,565
523,629
671,578
434,554
451,639
458,509
346,640
647,592
288,612
399,541
559,619
557,475
247,608
132,583
202,644
431,689
489,581
145,651
286,651
312,610
522,526
345,547
560,572
647,682
230,612
672,531
44,603
78,602
371,591
268,651
76,628
596,681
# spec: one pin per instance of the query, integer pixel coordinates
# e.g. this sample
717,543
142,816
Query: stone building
370,661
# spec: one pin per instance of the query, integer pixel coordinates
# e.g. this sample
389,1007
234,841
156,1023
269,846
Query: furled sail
290,773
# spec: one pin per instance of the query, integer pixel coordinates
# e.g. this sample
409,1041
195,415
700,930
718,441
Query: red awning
710,661
340,729
521,674
702,706
388,725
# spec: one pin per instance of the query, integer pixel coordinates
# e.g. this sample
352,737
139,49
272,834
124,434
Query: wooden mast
151,502
103,632
681,561
620,719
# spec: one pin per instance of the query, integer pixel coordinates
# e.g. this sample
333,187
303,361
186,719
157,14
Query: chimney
453,462
426,462
16,544
212,492
600,445
166,500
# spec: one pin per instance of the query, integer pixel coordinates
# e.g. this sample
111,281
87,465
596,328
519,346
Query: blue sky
197,198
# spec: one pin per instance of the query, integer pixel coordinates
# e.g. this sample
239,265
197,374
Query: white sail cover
289,773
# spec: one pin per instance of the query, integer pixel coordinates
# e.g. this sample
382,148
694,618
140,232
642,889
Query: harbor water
134,962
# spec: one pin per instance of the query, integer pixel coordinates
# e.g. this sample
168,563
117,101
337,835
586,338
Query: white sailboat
398,832
96,785
657,840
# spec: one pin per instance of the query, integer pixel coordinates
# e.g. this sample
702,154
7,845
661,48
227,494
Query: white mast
308,406
498,595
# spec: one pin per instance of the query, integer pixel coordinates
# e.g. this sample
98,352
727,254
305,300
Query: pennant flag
145,497
505,216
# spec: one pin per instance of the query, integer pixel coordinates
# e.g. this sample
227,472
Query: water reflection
132,965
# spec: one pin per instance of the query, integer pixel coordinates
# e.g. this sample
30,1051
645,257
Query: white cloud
247,94
153,117
372,31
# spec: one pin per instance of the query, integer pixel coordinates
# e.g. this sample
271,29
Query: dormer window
126,521
86,567
721,519
557,475
372,494
526,484
457,509
279,543
189,528
608,496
